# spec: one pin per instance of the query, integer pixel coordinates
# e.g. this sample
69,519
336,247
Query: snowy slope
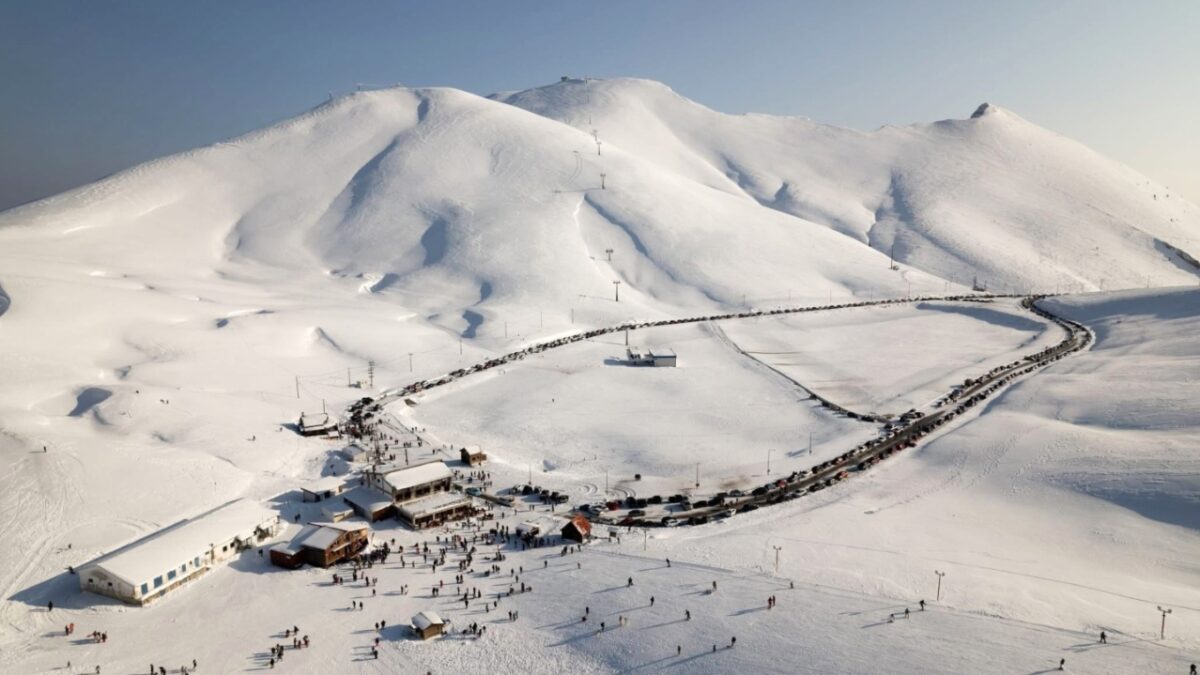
159,327
993,195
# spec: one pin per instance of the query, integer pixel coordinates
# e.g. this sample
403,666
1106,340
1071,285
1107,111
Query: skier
652,601
1062,664
687,615
678,650
1103,638
732,642
906,612
922,605
628,584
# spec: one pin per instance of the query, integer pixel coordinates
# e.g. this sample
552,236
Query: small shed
336,512
353,453
529,529
663,358
577,529
428,625
370,504
322,489
316,424
472,456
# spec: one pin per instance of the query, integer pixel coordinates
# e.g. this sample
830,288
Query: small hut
316,424
428,625
472,456
578,529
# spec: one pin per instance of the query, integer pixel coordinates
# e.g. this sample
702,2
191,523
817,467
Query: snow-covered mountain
460,203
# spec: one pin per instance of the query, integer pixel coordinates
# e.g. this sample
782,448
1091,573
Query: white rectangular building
434,510
406,483
144,570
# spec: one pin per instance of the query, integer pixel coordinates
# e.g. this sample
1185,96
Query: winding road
832,471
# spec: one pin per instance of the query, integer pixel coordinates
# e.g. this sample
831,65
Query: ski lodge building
406,483
144,570
321,545
434,510
420,492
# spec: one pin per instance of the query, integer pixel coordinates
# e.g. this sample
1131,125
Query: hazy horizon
94,88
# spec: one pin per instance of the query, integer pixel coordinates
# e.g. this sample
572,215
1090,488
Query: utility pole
322,406
602,176
777,550
810,444
1162,631
939,589
697,474
626,337
460,345
609,252
371,374
616,291
645,538
769,463
297,386
892,258
348,383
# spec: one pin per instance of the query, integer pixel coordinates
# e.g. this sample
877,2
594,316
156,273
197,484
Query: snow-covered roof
331,509
439,501
367,499
424,620
314,420
324,484
287,548
155,554
659,353
419,474
318,537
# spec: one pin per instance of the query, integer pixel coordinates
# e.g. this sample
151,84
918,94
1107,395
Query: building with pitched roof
144,570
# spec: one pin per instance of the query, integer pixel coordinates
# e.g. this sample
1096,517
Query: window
224,548
183,567
157,582
170,575
145,588
196,562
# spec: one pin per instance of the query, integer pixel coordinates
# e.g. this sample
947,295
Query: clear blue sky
92,87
